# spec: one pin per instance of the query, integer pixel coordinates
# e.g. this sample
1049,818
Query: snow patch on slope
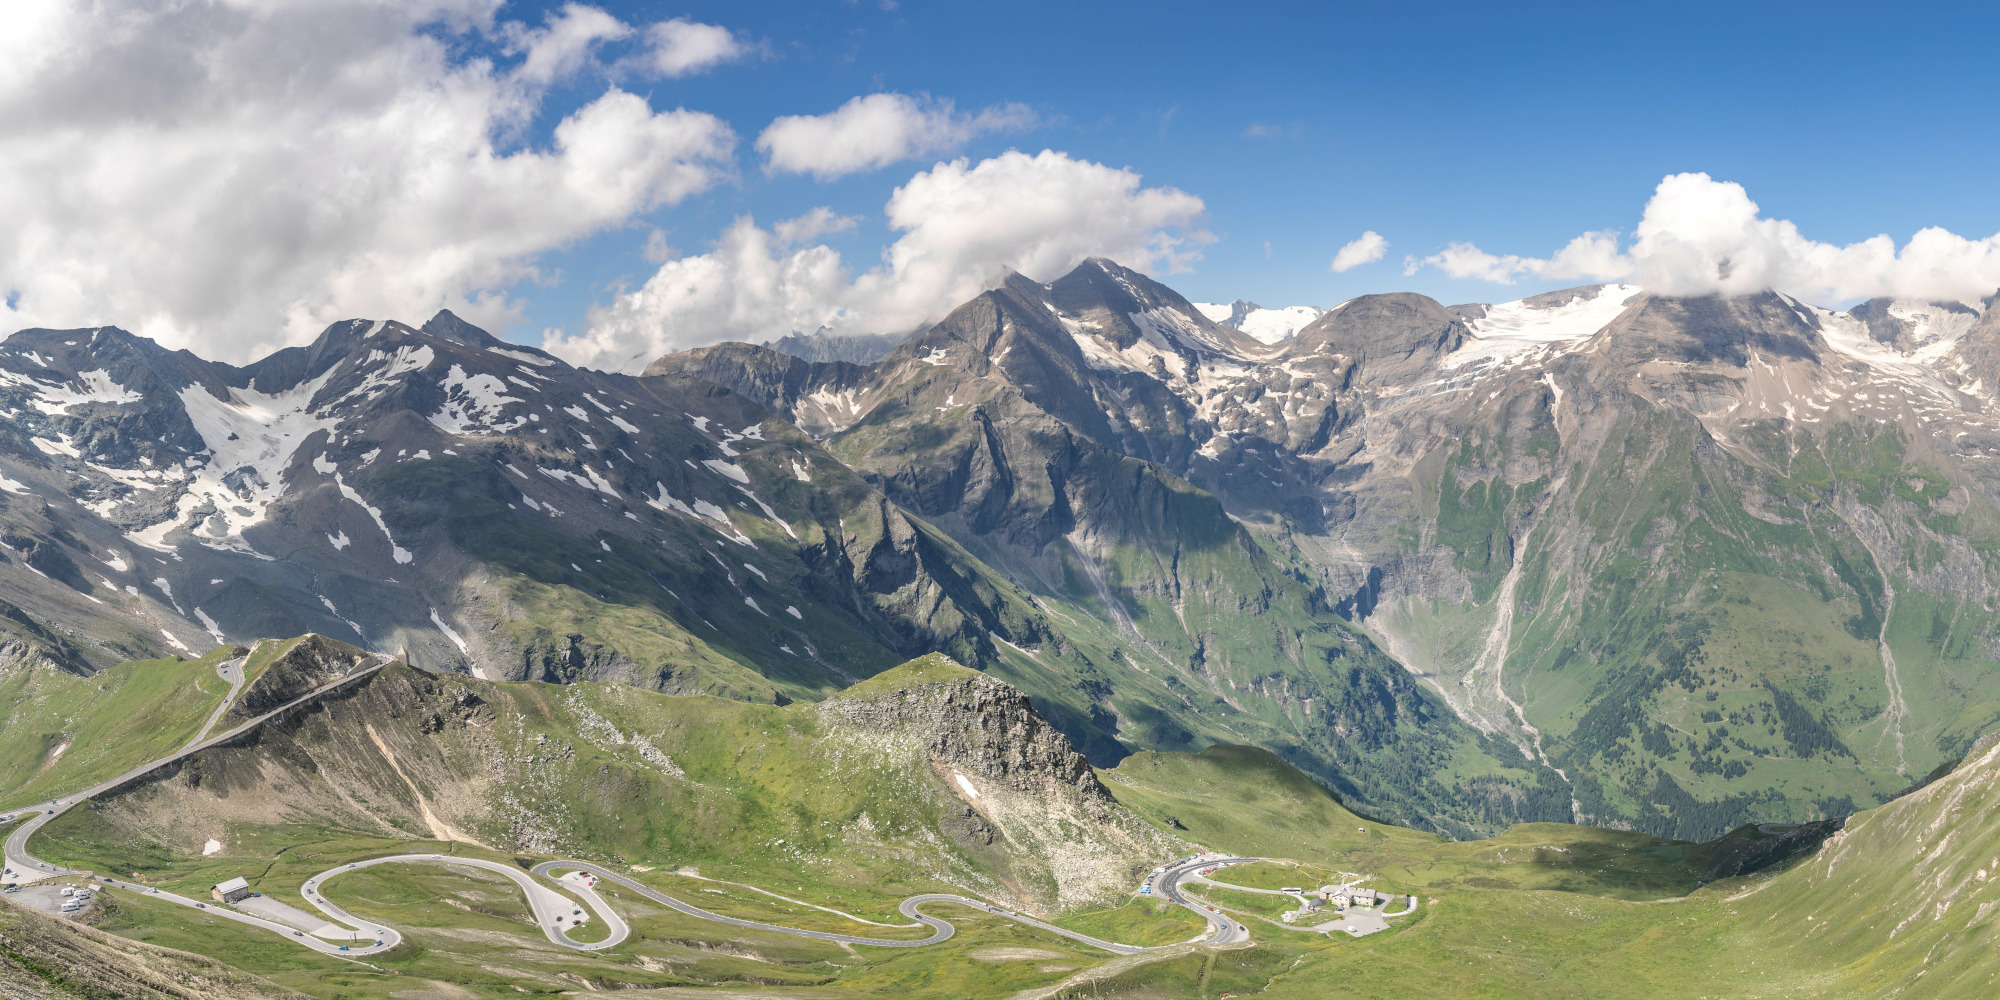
1266,326
251,438
458,641
401,554
96,387
1510,331
473,404
729,469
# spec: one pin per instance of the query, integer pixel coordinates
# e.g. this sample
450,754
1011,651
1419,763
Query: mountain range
1663,564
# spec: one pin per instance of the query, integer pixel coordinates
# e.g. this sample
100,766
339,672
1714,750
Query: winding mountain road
941,930
1221,929
31,868
232,672
555,914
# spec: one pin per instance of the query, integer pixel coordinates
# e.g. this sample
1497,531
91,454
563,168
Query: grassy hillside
1776,628
62,731
825,816
42,958
852,804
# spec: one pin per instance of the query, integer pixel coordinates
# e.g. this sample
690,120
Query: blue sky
1426,123
234,177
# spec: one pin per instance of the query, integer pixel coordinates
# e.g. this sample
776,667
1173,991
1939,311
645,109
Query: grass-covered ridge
61,731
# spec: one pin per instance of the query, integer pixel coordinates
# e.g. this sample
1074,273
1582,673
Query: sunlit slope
1902,902
1247,801
61,732
928,777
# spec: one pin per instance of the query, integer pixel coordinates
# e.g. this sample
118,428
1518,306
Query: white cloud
1701,236
233,177
561,46
1365,249
682,47
875,131
821,221
963,227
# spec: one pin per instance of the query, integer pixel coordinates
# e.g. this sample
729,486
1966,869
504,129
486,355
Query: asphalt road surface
941,930
27,867
554,913
231,671
1222,928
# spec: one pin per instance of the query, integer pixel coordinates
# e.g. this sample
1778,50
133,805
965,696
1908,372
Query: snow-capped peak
1266,326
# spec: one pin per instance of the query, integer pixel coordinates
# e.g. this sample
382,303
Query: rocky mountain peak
1391,337
1122,307
1713,329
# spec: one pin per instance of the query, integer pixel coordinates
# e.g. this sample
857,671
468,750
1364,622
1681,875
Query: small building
230,891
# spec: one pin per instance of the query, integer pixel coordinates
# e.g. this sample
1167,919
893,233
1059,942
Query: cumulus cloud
233,177
1700,236
819,222
875,131
1366,249
682,47
963,226
561,46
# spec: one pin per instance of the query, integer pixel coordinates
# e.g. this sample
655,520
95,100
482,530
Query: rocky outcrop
1011,793
981,725
310,662
27,642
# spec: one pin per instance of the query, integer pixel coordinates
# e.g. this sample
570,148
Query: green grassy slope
1697,630
770,795
62,732
693,794
788,798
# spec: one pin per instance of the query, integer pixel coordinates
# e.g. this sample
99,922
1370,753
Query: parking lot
48,898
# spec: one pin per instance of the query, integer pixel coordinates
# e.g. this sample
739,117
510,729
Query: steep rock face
984,726
859,349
